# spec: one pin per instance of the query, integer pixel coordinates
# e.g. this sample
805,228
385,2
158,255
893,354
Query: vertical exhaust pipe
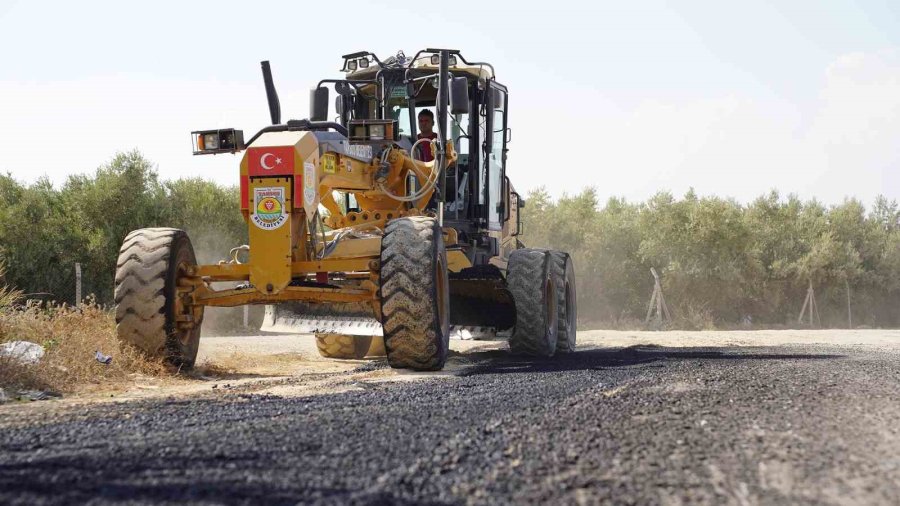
441,106
271,94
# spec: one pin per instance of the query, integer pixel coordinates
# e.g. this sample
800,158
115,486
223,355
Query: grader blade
480,308
355,319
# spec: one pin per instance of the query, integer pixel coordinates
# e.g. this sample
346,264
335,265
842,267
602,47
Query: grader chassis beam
241,272
240,296
195,285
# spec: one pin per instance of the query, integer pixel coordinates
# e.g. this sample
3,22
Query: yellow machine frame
296,247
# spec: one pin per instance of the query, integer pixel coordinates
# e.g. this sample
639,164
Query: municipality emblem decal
268,208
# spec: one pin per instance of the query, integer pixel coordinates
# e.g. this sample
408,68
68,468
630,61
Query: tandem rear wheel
542,283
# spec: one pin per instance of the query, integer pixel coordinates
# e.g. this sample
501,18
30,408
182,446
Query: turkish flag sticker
271,161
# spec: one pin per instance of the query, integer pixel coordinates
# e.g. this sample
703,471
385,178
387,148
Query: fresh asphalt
640,425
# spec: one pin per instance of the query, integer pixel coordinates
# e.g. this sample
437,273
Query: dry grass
70,337
8,296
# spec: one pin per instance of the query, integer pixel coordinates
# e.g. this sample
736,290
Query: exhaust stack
271,94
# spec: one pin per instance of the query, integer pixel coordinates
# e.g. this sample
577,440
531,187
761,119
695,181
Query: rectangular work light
210,142
436,60
352,65
374,130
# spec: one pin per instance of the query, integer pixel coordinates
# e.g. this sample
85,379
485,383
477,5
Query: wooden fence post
849,313
810,302
77,284
657,300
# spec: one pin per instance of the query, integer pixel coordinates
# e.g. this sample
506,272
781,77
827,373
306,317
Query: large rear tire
414,294
150,262
343,346
567,305
534,291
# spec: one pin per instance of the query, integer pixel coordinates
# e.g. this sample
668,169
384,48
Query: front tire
414,294
147,309
534,291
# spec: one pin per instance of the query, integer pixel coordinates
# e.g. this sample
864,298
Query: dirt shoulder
681,338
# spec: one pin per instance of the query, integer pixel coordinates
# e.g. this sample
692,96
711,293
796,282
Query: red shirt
424,149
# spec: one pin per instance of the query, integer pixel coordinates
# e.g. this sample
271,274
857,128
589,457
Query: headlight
436,60
373,130
376,132
211,141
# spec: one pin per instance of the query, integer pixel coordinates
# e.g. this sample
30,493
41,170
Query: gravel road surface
630,418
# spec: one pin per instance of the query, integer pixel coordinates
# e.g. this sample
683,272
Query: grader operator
352,236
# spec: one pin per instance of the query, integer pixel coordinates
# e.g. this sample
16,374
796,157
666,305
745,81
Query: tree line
722,263
45,231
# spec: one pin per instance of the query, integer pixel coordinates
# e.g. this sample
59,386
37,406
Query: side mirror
338,105
459,95
318,104
520,203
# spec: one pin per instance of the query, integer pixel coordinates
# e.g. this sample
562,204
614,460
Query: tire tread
526,272
412,330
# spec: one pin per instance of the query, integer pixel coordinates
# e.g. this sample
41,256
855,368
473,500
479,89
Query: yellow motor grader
353,235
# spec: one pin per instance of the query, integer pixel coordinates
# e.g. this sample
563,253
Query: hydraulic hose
430,182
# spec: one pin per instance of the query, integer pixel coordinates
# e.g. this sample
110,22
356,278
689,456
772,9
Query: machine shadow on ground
501,361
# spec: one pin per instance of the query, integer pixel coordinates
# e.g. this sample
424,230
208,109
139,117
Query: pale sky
733,98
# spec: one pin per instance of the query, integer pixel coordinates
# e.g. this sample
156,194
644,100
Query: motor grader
354,236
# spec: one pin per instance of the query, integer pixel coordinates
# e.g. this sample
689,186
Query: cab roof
422,61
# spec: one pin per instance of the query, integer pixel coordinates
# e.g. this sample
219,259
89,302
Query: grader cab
355,237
